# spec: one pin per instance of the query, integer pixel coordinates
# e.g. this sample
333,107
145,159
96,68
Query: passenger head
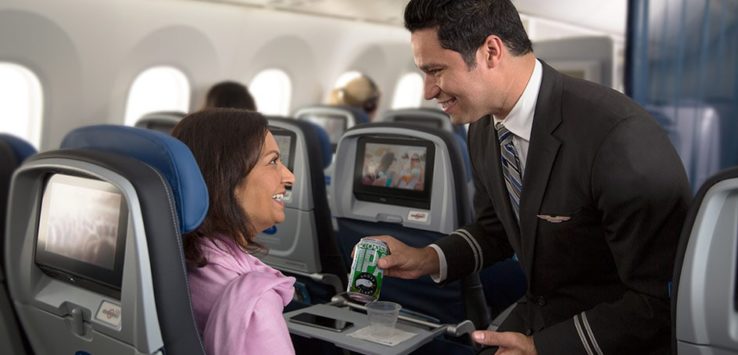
475,55
463,25
360,92
230,94
246,181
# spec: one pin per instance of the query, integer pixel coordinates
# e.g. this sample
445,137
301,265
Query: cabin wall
88,52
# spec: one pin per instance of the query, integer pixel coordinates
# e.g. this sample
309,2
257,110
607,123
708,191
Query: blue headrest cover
169,156
326,151
21,148
360,117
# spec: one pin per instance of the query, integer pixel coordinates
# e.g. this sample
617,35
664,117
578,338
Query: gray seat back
705,293
94,247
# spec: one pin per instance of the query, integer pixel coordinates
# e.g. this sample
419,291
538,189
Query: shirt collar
520,119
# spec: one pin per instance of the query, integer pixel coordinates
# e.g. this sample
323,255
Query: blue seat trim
326,151
21,148
360,117
166,154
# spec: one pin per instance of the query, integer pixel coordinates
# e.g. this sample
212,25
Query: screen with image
333,124
81,231
421,121
394,170
286,142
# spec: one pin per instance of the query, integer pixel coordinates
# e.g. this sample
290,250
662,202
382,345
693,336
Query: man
574,178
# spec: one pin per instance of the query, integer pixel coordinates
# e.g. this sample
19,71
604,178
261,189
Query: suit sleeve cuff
442,265
573,336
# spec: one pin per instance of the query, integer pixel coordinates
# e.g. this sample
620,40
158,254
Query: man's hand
406,262
508,343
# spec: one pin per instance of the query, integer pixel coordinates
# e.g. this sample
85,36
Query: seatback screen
394,170
81,231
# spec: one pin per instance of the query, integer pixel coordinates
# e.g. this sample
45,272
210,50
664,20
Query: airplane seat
433,117
694,130
95,260
335,120
162,121
425,116
326,150
704,297
304,245
13,151
379,190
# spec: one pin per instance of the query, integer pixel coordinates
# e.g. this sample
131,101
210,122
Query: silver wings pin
553,219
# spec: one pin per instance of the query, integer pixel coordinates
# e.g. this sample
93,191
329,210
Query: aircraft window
272,90
160,88
408,92
21,103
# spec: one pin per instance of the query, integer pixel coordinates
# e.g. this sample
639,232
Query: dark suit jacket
599,280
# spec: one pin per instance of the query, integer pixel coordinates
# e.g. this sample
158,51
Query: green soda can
365,281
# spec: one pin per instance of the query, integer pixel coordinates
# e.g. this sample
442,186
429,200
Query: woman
237,300
360,92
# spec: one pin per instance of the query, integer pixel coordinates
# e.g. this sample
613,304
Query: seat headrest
360,117
325,144
164,115
166,154
162,121
21,148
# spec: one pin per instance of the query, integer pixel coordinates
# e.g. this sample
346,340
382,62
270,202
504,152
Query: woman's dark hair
226,144
230,94
463,25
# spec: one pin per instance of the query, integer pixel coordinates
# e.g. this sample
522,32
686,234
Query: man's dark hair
463,25
230,94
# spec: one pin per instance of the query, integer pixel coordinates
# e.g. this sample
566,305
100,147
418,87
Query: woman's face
262,192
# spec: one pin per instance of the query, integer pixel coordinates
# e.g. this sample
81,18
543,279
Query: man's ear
492,49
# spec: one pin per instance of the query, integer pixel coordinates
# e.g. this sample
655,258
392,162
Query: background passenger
386,173
360,92
237,300
230,94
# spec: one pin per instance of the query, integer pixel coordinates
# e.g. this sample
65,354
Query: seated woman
237,300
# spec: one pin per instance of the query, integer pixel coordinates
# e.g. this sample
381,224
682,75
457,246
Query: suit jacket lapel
541,155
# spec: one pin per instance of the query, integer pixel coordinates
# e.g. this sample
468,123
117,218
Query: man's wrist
439,264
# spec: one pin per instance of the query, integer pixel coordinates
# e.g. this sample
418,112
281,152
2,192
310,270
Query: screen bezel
278,131
420,121
390,195
84,274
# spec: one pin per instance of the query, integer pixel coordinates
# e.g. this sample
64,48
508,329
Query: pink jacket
238,302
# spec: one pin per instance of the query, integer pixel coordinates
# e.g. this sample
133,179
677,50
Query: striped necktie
510,167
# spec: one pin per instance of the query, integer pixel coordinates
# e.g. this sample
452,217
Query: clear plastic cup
382,317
